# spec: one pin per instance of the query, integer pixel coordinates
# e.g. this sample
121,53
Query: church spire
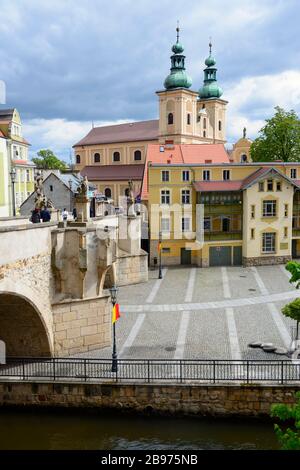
210,88
178,77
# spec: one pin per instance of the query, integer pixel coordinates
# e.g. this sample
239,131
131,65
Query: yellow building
224,214
17,159
185,117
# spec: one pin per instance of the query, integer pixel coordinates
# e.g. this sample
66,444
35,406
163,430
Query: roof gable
262,173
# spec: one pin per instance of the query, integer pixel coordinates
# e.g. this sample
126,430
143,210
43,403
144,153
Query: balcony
220,235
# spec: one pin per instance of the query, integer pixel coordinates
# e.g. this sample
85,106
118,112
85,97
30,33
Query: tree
46,160
279,139
288,438
294,268
292,310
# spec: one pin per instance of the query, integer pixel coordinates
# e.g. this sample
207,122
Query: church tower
211,109
178,104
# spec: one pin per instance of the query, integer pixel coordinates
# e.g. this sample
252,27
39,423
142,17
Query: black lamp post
13,180
159,266
113,294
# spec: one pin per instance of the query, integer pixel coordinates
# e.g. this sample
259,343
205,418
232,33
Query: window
207,224
278,186
116,156
165,196
252,234
22,176
107,192
268,242
225,224
286,210
204,123
206,175
204,134
28,176
170,118
188,119
77,159
185,224
137,155
166,250
285,232
293,173
165,224
185,196
51,187
126,192
270,185
269,208
252,212
226,175
243,158
220,125
165,175
261,186
185,175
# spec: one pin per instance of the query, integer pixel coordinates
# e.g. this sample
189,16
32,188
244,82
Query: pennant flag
115,313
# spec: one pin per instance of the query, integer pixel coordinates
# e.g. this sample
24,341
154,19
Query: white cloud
253,99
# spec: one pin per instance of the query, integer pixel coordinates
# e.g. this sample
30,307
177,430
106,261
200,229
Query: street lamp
13,180
159,252
113,294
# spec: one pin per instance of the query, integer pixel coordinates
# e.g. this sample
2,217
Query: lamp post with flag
159,254
115,316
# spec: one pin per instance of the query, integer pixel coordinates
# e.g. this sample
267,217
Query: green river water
87,429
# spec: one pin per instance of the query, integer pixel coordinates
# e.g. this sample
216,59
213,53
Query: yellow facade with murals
230,214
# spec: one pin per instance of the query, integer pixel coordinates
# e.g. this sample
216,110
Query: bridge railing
151,370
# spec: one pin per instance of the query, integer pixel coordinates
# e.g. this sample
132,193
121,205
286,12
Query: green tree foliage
288,437
46,160
292,310
294,268
279,139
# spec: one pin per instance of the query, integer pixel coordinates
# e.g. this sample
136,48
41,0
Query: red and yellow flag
159,247
115,313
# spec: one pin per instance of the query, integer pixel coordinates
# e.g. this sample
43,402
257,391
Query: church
111,155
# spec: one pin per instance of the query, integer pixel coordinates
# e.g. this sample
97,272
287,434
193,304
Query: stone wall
129,269
209,400
265,260
81,325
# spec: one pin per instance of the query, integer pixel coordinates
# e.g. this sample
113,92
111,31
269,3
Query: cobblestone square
196,313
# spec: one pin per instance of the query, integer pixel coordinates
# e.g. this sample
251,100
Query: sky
66,64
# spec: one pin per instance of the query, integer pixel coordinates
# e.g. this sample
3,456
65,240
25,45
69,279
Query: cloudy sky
67,63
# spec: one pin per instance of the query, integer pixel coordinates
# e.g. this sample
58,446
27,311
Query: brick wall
210,400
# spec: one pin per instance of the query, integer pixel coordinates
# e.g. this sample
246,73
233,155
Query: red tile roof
184,153
113,172
129,132
208,186
23,162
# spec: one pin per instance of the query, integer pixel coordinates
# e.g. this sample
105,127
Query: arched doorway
21,328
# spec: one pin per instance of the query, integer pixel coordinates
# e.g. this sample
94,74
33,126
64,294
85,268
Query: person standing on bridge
45,215
35,216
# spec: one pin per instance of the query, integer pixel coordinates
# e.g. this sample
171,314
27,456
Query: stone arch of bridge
22,327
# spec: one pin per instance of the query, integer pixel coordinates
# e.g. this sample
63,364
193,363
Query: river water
87,429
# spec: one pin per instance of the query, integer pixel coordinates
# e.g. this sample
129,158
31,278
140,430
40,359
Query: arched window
138,155
204,123
220,125
107,192
116,156
204,134
243,158
97,158
170,118
188,119
77,159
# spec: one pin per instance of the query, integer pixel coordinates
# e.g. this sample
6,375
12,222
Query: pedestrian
74,213
45,215
65,215
35,216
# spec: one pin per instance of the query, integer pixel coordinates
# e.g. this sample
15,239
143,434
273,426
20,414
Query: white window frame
271,213
293,171
204,174
183,227
227,172
185,196
184,174
269,244
165,173
167,222
164,190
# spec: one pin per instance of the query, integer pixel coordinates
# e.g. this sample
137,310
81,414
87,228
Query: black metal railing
151,370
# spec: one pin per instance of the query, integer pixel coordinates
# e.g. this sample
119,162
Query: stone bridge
53,300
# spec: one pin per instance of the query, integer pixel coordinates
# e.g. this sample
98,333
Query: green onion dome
178,77
210,88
